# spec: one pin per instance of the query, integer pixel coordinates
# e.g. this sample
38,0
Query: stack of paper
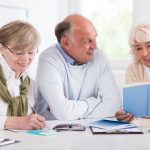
113,126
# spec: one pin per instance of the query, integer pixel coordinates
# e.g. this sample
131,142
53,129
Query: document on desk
111,124
135,130
15,130
107,126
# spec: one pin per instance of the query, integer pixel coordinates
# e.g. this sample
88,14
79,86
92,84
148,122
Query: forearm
73,109
105,109
33,121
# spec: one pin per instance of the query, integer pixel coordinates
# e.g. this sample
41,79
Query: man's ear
65,42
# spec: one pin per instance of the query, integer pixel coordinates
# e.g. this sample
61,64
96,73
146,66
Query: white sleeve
2,121
49,78
3,112
108,93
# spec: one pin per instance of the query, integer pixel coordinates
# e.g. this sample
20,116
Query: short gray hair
21,33
62,29
139,34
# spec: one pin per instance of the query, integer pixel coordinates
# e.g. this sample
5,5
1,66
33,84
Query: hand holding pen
38,121
33,110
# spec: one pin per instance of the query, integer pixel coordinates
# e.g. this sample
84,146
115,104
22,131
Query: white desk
77,140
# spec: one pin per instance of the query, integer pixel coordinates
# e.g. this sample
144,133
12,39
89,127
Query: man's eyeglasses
19,54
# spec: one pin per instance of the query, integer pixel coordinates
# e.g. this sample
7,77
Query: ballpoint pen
7,141
33,110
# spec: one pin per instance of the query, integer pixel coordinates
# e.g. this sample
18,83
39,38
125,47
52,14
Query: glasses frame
70,127
20,54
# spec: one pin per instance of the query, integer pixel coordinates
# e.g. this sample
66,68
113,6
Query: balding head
71,22
77,36
79,21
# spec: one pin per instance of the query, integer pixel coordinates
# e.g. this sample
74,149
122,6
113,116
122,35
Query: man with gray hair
74,77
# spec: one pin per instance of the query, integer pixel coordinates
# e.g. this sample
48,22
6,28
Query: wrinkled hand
33,121
30,122
124,116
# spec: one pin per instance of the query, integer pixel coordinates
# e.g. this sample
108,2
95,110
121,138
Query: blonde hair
138,34
20,35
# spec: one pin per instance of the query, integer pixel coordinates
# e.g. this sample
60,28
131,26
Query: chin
22,69
90,59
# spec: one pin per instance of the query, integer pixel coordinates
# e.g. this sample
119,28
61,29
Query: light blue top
73,92
66,57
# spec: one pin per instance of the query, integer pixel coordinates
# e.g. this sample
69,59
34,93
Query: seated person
139,70
18,94
74,77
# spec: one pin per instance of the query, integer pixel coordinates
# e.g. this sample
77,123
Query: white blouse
13,87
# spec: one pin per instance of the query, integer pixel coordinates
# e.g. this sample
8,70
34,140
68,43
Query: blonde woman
139,70
18,45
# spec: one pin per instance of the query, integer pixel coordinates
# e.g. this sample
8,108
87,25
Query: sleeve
108,92
3,112
2,121
50,83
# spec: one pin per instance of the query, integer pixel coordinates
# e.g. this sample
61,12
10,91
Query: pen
7,141
33,110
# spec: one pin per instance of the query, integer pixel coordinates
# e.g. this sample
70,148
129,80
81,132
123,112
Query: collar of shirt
8,72
66,56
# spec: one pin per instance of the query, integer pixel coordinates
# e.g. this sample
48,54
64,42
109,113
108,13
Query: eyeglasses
70,127
20,54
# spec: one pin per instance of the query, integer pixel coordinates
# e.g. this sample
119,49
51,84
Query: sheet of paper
118,131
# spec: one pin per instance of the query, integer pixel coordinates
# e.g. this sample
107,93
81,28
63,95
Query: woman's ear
1,48
1,45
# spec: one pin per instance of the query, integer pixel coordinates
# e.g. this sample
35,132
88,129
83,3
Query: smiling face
18,45
142,51
18,61
80,43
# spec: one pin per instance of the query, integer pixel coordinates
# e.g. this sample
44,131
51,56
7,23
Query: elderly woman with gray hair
18,46
139,70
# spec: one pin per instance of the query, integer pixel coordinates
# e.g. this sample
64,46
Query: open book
136,99
57,125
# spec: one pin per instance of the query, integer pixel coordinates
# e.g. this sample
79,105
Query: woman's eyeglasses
20,54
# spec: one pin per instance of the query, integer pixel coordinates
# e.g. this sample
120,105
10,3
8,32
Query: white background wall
141,11
45,14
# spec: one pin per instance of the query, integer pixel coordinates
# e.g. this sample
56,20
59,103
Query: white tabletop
77,140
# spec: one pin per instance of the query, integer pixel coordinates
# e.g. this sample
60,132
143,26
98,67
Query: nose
145,51
25,56
93,45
